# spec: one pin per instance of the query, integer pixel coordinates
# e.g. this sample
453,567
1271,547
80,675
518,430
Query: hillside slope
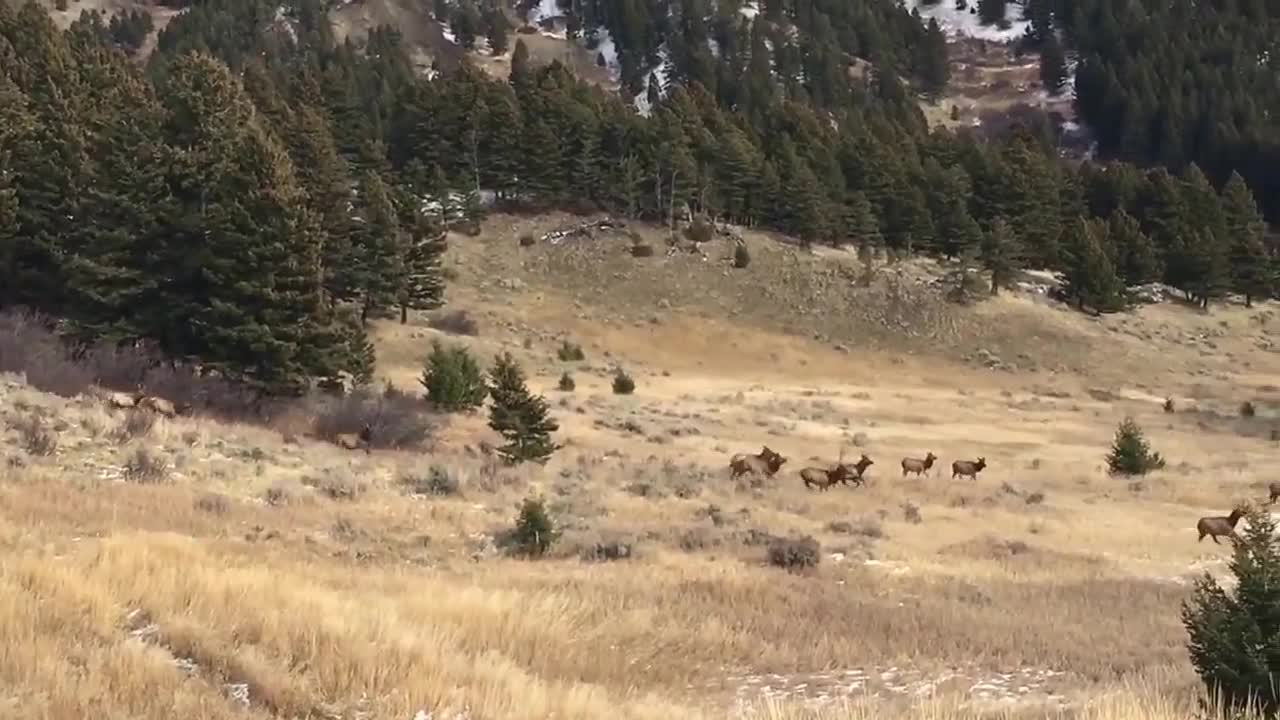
272,575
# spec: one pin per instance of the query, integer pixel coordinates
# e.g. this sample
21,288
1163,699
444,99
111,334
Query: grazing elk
766,463
918,466
356,441
967,468
1218,526
822,478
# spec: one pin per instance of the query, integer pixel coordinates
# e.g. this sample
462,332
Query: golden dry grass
242,579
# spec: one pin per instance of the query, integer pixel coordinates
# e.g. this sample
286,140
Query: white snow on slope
609,49
543,10
659,72
965,23
751,9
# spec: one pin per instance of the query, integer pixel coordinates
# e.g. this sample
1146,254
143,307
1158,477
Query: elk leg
1215,539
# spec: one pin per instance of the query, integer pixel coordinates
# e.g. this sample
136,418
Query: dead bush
436,481
795,554
339,487
911,513
37,437
214,504
397,420
146,467
868,527
1034,498
456,322
278,495
606,551
137,423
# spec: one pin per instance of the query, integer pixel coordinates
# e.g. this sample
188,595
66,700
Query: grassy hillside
271,575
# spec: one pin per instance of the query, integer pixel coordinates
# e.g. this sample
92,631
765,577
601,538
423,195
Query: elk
822,478
766,463
967,468
1274,487
157,405
859,467
918,466
356,441
1218,526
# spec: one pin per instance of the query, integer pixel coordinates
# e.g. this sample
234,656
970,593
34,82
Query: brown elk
766,463
857,470
1274,488
918,466
822,478
967,468
1218,526
356,441
157,405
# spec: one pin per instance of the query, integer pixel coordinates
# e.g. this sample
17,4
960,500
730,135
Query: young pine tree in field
520,417
1130,453
453,379
1001,254
1234,640
422,284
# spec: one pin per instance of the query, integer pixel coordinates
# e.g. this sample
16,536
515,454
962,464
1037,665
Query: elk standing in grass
967,468
1274,488
356,441
918,466
766,463
1219,526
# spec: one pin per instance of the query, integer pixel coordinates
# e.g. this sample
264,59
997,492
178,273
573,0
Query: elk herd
768,462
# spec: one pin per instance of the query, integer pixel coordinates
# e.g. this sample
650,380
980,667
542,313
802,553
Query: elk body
356,441
918,466
1275,491
967,468
857,469
157,405
766,463
823,478
1218,526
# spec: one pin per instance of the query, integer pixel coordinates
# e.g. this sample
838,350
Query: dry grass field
259,574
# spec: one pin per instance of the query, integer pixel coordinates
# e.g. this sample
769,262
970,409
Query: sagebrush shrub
457,322
567,383
146,467
741,256
794,553
570,352
398,421
622,383
37,437
437,481
1247,409
1130,454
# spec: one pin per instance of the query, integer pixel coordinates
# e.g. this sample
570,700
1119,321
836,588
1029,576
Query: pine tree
236,199
521,74
423,284
1130,453
325,176
523,419
1250,262
498,29
932,65
452,379
379,253
1137,259
1210,267
1234,640
991,12
543,161
861,225
1000,254
1053,65
1091,277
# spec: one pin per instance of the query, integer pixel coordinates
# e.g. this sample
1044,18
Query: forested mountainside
256,191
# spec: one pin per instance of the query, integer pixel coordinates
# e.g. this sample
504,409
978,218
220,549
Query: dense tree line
260,190
1179,82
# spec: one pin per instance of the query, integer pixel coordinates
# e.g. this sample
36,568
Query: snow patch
543,10
661,73
609,49
750,10
965,23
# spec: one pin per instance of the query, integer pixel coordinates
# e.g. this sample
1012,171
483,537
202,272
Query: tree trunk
404,314
1248,300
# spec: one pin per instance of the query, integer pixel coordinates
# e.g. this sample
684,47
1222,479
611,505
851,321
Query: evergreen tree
379,252
423,284
1053,65
1091,277
452,379
543,161
1234,640
498,29
1000,255
235,199
932,65
1211,267
1130,453
523,419
1137,260
521,74
992,12
1250,262
861,225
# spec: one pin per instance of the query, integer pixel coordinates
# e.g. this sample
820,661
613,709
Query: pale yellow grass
124,600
